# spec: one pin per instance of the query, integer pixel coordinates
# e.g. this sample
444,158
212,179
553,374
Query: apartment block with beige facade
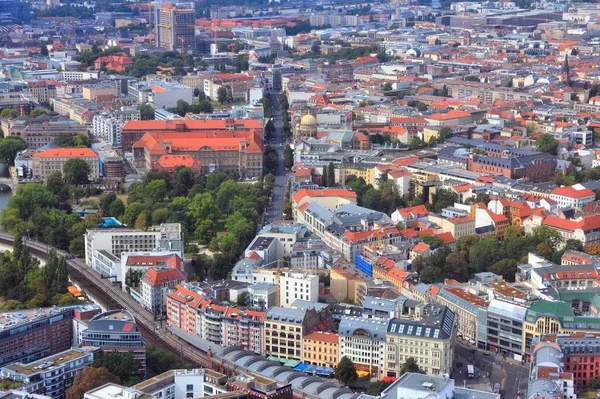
321,348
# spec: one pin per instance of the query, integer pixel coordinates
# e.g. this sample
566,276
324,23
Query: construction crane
150,36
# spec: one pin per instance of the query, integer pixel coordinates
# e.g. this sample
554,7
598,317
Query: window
189,387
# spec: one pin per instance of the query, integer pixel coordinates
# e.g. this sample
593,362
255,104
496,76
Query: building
584,228
174,27
287,234
537,167
53,160
42,130
548,377
154,285
134,130
236,151
50,376
108,128
172,384
14,12
262,295
115,331
167,236
321,348
244,328
284,329
291,285
362,340
466,305
575,196
32,334
426,333
414,385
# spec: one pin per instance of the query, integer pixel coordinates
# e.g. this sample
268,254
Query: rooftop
47,363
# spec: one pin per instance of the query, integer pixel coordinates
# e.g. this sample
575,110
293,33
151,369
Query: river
4,195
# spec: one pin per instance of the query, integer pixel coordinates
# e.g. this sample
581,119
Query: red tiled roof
322,336
573,192
420,247
467,296
326,192
66,153
585,223
156,277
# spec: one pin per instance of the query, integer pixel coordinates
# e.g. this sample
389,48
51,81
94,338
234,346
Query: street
275,210
490,369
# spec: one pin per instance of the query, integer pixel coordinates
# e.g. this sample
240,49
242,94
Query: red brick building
538,168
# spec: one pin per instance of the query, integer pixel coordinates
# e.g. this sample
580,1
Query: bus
470,371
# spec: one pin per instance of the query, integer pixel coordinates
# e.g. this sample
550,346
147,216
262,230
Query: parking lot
491,372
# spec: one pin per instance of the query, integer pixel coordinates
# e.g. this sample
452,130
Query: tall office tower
174,27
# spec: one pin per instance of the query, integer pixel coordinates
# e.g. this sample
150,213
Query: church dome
308,120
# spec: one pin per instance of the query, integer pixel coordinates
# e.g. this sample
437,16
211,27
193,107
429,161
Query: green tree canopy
345,371
88,379
547,143
76,171
9,146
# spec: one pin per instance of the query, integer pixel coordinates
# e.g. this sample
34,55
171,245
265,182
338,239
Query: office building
115,331
14,12
53,160
174,27
42,130
32,334
108,128
363,341
284,329
50,376
427,334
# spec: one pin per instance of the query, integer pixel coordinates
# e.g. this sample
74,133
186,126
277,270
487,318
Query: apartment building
43,90
426,333
287,234
115,331
107,127
167,236
51,375
53,160
321,348
172,384
244,328
284,329
362,340
292,285
154,285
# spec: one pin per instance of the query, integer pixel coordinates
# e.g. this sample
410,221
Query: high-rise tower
174,27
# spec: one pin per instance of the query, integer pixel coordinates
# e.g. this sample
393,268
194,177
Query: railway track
144,320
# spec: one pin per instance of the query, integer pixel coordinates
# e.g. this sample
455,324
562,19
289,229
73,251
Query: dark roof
437,323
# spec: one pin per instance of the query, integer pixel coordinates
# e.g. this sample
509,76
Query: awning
300,367
291,363
312,369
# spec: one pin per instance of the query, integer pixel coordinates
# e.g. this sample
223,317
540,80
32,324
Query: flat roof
47,363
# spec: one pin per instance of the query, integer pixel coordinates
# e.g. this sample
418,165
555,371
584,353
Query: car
496,388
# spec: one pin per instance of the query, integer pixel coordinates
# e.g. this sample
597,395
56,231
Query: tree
56,184
433,242
411,366
223,95
206,231
547,143
331,175
345,371
204,207
105,202
443,198
146,112
43,50
387,86
88,379
9,146
121,364
159,360
77,171
81,141
61,280
288,156
377,387
486,252
116,209
592,249
9,113
573,245
37,112
505,268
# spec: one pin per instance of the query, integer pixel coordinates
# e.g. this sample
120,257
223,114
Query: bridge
8,182
152,331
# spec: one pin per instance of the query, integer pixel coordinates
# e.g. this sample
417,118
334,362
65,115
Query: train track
144,319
